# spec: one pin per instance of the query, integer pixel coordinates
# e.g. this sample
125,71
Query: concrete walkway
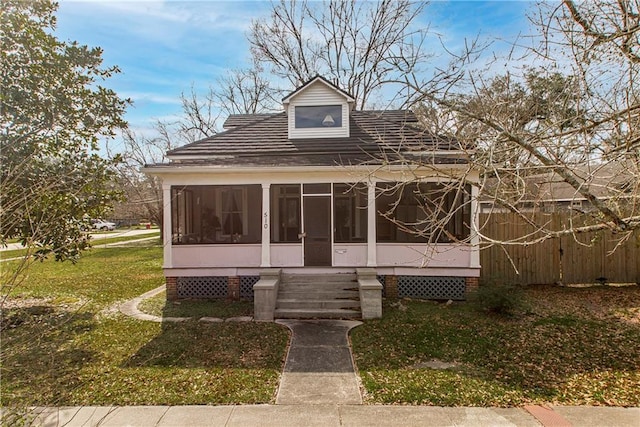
324,416
319,367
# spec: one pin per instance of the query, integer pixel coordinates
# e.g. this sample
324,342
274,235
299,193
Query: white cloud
155,98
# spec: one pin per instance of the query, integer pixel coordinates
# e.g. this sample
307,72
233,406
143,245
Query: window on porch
350,213
209,214
285,213
422,212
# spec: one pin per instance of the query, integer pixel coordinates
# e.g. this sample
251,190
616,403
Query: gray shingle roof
235,120
263,140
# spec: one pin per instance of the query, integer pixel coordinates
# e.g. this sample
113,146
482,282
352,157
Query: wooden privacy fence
583,258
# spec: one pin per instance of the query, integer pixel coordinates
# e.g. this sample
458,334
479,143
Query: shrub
501,299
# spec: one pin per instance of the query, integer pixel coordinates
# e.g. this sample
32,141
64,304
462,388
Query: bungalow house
316,212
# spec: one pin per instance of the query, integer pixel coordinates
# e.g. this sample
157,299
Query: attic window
323,116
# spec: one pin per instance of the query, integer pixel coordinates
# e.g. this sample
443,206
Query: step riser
315,288
319,285
317,314
320,304
318,279
317,295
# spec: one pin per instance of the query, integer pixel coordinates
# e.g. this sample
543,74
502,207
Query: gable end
328,100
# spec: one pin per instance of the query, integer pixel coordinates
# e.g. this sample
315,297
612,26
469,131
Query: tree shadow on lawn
196,362
227,345
41,357
552,354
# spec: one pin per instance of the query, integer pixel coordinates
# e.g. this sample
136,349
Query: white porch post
474,260
371,225
166,225
266,220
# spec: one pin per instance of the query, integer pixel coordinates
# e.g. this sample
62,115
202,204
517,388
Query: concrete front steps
318,296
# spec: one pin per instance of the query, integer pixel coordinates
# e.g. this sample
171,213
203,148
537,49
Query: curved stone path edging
130,308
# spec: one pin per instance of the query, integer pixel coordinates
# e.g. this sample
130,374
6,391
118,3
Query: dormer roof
318,79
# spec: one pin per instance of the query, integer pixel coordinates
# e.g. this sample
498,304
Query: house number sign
266,221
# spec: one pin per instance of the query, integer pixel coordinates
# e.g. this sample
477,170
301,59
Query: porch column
266,220
166,224
371,225
475,223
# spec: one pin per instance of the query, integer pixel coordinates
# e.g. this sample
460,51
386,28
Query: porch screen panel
181,213
422,212
232,212
350,213
285,213
211,214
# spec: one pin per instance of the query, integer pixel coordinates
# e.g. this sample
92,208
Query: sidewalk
325,416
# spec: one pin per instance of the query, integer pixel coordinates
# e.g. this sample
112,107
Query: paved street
96,237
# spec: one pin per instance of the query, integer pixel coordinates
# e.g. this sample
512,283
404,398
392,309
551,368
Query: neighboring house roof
263,141
603,181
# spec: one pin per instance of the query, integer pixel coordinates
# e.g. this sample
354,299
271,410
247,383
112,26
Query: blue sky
165,47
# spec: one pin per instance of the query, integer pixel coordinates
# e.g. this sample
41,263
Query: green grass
13,253
159,306
571,346
65,344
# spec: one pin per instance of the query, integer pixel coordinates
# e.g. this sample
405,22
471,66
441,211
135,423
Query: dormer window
318,109
322,116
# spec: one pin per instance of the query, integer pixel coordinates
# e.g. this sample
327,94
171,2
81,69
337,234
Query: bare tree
144,192
199,118
246,91
573,123
362,46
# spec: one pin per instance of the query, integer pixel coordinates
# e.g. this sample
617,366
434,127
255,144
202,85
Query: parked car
99,224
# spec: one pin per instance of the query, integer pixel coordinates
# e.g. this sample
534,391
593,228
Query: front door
317,230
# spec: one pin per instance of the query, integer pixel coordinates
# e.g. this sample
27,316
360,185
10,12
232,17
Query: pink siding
350,255
440,256
206,256
286,255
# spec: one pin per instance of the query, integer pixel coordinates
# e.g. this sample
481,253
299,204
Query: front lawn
568,346
64,342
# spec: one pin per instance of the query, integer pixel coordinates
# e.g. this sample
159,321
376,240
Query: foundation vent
202,287
428,287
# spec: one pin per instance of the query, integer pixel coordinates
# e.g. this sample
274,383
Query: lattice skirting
428,287
246,286
202,287
213,286
384,285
